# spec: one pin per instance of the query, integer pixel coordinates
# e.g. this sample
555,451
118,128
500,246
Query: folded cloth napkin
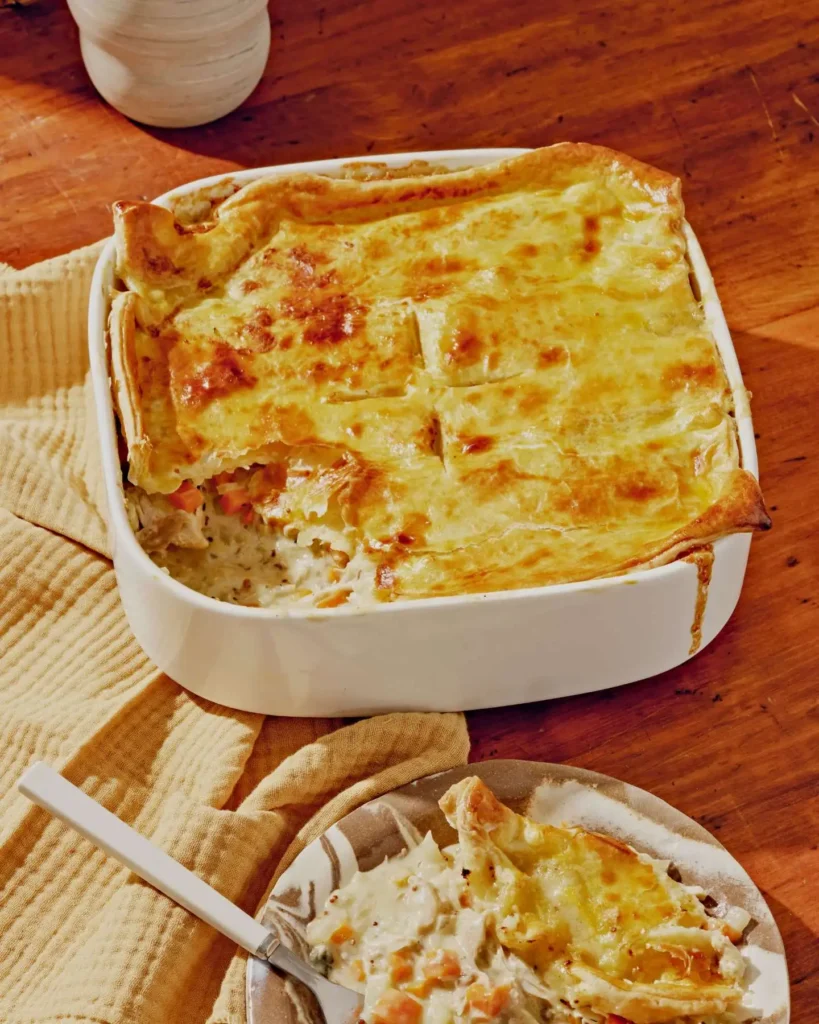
232,795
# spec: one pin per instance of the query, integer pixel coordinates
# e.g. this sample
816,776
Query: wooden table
725,93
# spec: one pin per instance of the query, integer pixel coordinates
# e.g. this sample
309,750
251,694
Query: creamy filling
405,936
230,551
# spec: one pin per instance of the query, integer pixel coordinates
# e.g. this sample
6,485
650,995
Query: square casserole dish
434,654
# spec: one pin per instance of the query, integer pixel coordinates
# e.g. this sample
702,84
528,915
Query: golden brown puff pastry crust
507,363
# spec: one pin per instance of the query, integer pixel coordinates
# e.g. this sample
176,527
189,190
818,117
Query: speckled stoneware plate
546,792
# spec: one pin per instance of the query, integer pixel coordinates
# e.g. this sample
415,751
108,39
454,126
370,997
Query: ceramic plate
548,793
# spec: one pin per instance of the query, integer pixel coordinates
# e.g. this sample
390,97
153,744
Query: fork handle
45,787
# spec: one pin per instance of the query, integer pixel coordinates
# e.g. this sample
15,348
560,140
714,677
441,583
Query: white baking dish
441,654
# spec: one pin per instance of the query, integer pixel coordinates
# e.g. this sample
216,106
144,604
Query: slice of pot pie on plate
524,922
343,391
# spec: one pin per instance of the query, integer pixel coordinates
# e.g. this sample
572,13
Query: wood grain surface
724,93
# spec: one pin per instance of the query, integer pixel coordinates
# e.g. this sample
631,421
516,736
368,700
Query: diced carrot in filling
488,1002
421,988
400,967
498,998
396,1007
223,478
186,497
357,967
333,600
444,966
344,933
233,501
248,515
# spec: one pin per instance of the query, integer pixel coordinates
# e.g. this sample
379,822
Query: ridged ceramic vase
173,63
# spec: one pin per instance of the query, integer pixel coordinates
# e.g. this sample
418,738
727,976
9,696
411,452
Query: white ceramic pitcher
173,63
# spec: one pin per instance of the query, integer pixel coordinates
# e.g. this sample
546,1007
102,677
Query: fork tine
339,1005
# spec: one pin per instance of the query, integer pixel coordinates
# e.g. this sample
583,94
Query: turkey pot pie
341,391
524,923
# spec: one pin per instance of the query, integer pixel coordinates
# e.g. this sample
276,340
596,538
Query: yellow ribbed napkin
234,796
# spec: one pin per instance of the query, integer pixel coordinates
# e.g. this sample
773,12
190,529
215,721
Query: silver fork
49,790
